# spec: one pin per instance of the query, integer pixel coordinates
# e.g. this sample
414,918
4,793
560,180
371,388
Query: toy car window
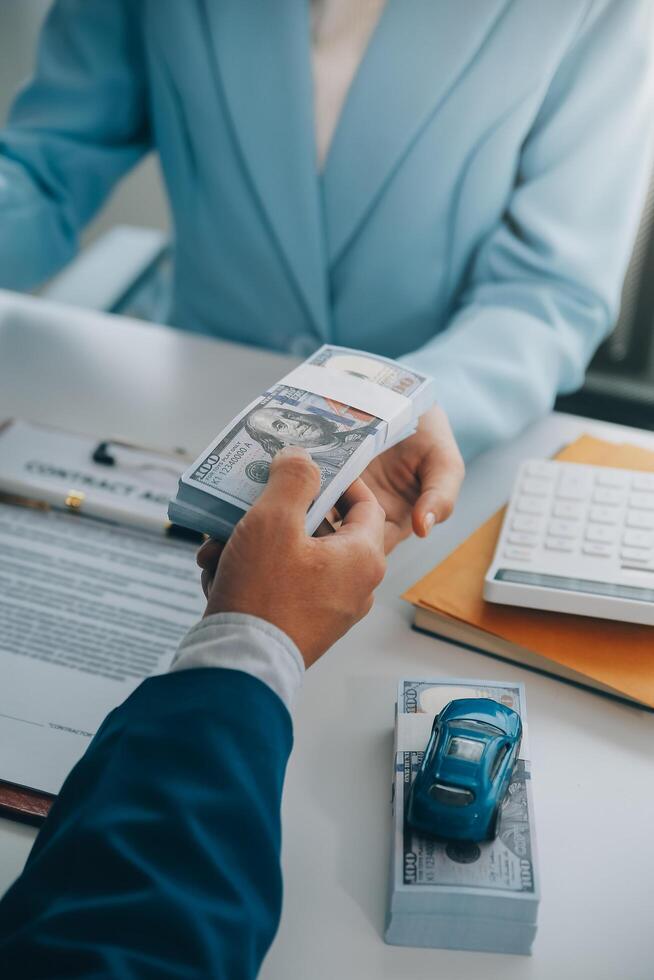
482,726
451,795
469,749
499,759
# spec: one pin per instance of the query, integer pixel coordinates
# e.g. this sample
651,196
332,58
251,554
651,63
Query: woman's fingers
440,471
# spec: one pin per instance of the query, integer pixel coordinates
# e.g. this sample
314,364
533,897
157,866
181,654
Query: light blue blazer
475,213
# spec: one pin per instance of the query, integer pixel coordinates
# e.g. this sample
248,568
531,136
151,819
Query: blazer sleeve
160,857
544,288
76,127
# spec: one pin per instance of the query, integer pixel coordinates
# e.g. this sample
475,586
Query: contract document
88,608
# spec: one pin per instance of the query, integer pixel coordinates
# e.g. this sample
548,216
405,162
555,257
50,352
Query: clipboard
24,805
115,459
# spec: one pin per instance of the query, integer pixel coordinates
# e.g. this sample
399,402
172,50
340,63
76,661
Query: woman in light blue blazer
474,216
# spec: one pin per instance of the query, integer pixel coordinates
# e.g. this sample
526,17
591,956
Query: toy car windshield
473,724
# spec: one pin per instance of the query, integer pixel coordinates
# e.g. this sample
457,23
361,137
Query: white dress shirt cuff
239,642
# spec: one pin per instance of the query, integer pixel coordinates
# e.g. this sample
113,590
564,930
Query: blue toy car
466,770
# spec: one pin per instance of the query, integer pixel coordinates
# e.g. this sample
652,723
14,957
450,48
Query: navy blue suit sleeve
160,857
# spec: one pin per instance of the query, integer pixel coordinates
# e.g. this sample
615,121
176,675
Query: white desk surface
592,758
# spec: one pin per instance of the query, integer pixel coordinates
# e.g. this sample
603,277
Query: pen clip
18,501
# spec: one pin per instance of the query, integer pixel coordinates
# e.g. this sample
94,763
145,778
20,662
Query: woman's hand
418,480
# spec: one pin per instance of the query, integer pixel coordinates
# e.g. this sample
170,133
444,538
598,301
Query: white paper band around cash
395,409
344,407
413,731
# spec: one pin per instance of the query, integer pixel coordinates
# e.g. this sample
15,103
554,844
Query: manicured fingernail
429,522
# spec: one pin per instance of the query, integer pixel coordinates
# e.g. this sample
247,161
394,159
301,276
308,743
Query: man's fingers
207,581
324,529
362,533
209,554
293,485
207,558
361,511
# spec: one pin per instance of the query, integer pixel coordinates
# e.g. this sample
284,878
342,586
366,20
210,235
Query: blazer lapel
261,60
419,51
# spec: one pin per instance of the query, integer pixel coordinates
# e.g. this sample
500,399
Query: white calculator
577,539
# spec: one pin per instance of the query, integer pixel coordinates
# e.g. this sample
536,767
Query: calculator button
521,522
605,495
644,501
638,566
573,486
530,505
535,488
635,554
640,519
568,509
542,469
522,538
517,554
559,544
563,529
609,478
603,515
597,549
638,539
644,481
600,532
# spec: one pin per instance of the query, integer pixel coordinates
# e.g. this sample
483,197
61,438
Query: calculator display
567,584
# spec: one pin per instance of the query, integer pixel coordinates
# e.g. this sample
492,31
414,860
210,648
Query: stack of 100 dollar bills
461,894
343,406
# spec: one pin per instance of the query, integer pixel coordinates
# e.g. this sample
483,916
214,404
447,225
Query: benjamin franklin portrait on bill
274,428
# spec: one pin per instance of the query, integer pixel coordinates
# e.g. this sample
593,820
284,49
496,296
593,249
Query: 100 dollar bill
236,467
430,697
506,864
340,438
379,370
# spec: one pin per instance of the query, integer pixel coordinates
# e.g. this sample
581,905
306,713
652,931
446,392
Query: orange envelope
616,657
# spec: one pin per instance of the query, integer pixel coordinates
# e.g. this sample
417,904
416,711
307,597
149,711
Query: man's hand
418,480
314,589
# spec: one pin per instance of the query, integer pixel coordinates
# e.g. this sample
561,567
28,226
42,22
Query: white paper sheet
87,609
